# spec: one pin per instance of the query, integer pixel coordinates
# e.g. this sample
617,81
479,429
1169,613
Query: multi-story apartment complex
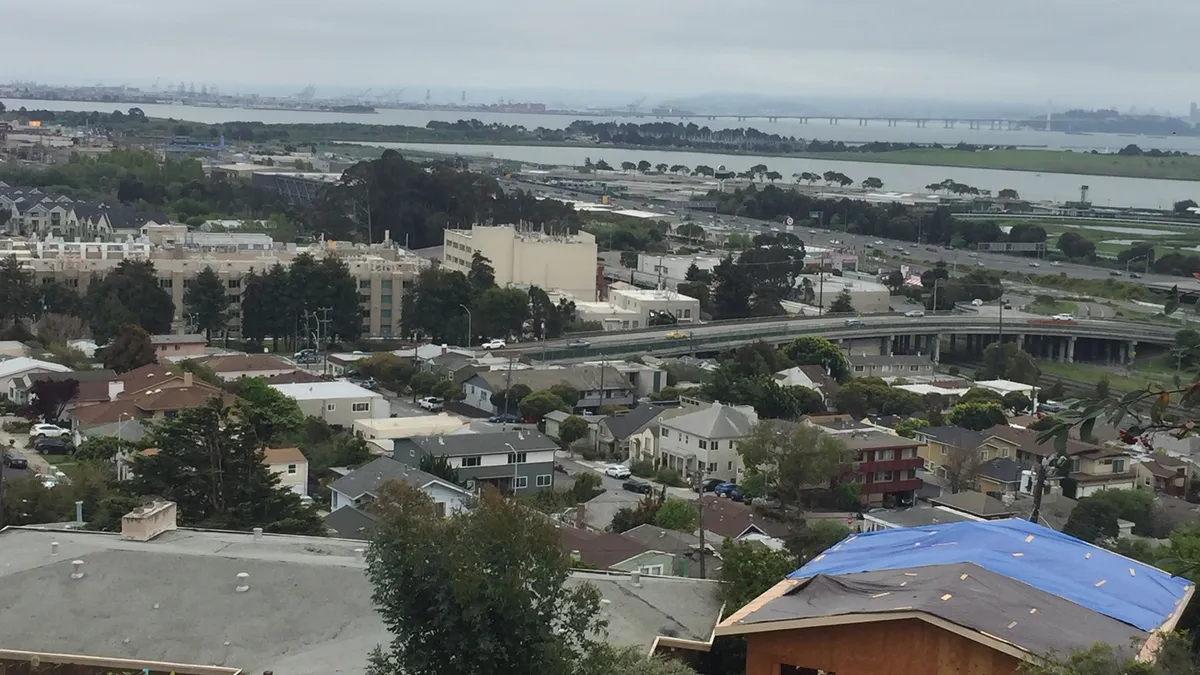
383,273
35,212
523,257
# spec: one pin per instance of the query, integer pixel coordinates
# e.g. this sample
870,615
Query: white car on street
616,471
494,344
48,430
431,403
1064,317
915,313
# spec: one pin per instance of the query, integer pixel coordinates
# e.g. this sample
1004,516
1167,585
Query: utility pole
700,504
601,404
323,338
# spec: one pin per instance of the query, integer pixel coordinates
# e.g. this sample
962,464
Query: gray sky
1089,52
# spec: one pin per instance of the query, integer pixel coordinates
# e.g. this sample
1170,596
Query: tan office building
562,262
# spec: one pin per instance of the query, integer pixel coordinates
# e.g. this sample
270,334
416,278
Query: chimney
635,579
54,548
147,522
187,379
115,388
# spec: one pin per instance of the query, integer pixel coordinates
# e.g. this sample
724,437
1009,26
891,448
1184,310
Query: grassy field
1052,308
1046,161
1118,380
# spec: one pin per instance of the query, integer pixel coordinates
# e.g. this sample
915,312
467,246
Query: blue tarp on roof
1050,561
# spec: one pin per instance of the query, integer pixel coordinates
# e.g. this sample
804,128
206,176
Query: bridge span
1066,341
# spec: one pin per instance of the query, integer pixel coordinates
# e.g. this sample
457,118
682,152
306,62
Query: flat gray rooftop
308,610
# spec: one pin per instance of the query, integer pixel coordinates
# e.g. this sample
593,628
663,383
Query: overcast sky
1090,52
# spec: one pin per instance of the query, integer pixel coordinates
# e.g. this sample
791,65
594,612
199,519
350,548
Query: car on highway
1115,273
1063,317
15,460
1034,264
45,430
675,335
931,248
1134,275
578,344
47,445
1056,264
854,322
915,313
979,263
972,255
616,471
898,249
431,403
812,231
495,343
878,242
639,486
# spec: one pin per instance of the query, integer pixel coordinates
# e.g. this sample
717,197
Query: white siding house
705,441
359,487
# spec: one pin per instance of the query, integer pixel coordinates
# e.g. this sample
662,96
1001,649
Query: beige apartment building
383,275
526,257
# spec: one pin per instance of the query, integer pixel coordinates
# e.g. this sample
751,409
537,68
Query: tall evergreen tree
16,290
130,348
206,302
482,275
211,465
131,291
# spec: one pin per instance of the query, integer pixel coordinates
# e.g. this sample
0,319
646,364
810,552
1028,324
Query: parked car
48,445
878,242
15,460
46,430
494,343
709,484
431,403
578,344
617,471
505,418
635,485
916,313
972,255
723,488
675,335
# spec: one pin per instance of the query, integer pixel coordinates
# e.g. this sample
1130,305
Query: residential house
977,504
917,516
645,379
704,441
949,445
95,386
634,433
726,519
954,598
614,552
811,377
999,476
388,429
1092,467
597,386
178,347
146,405
361,486
519,461
350,523
554,419
1164,474
685,546
13,370
339,403
233,366
838,424
890,367
291,466
884,466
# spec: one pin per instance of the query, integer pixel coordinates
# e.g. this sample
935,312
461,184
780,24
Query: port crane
633,107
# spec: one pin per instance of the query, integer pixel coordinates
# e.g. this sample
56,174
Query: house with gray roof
625,434
597,386
519,461
361,486
704,440
890,366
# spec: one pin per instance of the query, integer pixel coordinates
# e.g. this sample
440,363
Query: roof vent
77,565
258,534
243,581
635,579
54,548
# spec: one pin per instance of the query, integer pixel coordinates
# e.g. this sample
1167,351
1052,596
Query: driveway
599,512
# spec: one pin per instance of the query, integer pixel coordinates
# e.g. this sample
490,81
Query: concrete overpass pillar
937,348
1071,349
885,345
1112,351
1131,351
1056,349
953,340
1021,341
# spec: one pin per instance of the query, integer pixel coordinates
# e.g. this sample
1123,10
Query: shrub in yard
642,468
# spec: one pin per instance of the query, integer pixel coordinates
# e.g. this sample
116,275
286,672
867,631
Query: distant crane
633,107
307,93
362,96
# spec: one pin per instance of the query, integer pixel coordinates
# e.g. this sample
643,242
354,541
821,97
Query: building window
730,467
164,283
1002,453
651,570
1075,465
945,450
665,433
387,284
1118,466
385,299
543,480
520,482
330,407
440,509
517,457
364,283
360,407
859,369
884,476
914,368
472,461
703,444
291,469
235,283
712,466
885,455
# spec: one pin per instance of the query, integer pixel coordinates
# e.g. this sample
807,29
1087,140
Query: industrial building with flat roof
526,257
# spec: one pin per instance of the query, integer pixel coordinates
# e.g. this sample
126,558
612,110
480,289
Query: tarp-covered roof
962,593
1050,561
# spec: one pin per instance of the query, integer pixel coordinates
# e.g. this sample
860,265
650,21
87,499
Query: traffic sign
789,222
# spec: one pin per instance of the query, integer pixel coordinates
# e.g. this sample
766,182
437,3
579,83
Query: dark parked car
710,484
635,485
508,418
53,446
15,460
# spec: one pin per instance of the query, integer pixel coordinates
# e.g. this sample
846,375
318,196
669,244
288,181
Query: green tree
1076,246
201,372
388,369
748,571
1092,520
677,514
210,464
571,430
509,400
815,538
811,350
438,465
872,183
102,449
795,457
842,303
626,518
568,394
1173,656
130,294
908,428
1017,402
537,405
500,312
482,275
511,611
1103,386
1056,391
205,301
422,383
980,395
1008,362
433,307
977,416
49,398
130,348
894,281
16,290
273,415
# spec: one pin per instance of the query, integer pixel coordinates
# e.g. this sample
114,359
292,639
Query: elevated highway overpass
1044,338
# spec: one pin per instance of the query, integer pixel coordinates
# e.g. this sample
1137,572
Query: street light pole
469,336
